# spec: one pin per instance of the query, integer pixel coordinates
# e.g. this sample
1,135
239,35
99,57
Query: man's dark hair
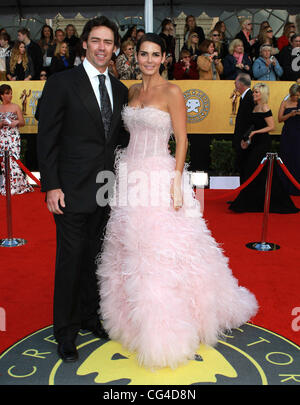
151,37
24,31
294,37
5,36
100,22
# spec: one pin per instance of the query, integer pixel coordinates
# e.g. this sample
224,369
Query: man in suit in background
79,128
243,119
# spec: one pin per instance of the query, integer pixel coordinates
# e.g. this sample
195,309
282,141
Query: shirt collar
243,95
91,70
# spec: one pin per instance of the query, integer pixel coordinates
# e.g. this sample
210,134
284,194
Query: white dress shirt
93,74
243,95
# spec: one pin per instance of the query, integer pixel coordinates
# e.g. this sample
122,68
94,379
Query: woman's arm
260,69
30,70
269,127
20,122
281,116
203,63
177,110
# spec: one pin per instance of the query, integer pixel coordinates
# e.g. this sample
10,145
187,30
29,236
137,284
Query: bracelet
248,141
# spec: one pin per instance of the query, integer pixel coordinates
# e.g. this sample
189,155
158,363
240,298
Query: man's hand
53,198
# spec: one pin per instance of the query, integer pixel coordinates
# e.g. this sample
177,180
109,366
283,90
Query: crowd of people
211,57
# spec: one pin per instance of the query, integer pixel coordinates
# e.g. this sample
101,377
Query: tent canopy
85,7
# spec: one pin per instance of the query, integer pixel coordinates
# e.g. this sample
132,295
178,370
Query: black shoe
100,332
67,351
96,328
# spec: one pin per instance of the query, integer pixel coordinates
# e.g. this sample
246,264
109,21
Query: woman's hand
175,191
293,113
14,123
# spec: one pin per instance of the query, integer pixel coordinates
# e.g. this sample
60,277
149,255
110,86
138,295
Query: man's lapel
86,93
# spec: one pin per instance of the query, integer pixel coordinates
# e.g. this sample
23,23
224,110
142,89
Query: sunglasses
43,75
269,30
195,36
215,35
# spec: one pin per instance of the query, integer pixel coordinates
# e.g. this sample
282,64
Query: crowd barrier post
263,245
10,241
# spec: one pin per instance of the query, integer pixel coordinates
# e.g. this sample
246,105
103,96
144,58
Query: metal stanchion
9,241
265,246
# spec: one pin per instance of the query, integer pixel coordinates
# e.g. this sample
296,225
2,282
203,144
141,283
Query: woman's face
133,32
295,98
150,58
7,97
22,49
256,95
291,27
239,48
266,53
129,51
63,49
215,36
211,49
223,27
194,38
248,25
47,32
70,31
191,22
269,32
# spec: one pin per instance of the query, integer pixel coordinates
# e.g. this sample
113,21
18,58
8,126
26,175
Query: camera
215,57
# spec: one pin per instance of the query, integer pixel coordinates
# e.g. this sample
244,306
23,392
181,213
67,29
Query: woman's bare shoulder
173,89
265,108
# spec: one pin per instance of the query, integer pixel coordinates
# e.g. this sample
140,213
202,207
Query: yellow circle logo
248,355
197,105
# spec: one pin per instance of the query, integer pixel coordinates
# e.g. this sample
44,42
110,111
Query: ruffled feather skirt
165,284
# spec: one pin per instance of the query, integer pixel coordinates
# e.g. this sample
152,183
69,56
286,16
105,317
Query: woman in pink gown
165,284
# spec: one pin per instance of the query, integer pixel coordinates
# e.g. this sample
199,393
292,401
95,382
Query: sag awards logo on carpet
197,104
247,355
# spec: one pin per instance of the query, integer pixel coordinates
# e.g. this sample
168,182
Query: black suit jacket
71,143
243,119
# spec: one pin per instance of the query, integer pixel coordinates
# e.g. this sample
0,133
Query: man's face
100,47
59,36
296,42
238,86
21,36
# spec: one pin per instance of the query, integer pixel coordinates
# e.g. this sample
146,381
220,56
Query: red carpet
27,272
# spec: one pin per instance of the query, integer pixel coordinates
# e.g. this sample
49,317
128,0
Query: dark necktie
106,111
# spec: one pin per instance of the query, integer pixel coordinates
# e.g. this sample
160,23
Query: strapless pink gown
165,284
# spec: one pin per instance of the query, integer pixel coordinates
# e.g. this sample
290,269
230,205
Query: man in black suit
79,128
243,119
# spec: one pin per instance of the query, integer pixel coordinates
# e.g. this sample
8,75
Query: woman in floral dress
11,119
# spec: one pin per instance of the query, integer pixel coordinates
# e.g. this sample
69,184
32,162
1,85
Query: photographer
237,61
186,68
209,64
266,67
